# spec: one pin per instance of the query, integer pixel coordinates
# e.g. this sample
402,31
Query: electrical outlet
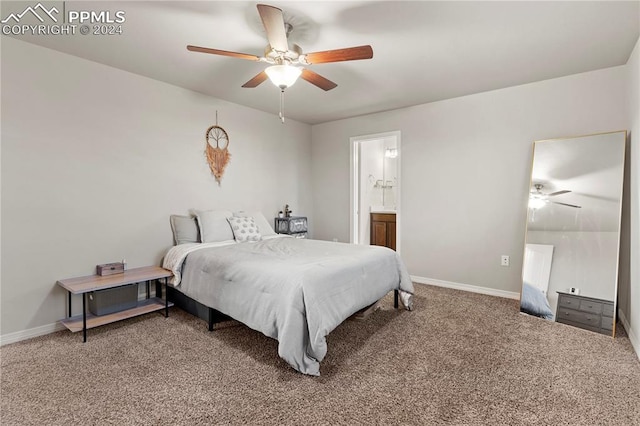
504,260
335,240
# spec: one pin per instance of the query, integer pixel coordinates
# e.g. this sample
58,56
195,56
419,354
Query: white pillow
244,229
213,225
261,222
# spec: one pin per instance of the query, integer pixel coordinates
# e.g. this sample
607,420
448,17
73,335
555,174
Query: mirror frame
619,218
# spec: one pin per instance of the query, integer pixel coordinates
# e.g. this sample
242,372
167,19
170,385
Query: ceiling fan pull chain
282,105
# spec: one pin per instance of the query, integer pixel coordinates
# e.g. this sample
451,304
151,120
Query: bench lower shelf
74,324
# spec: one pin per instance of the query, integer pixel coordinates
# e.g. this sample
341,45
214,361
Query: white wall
95,159
585,260
465,170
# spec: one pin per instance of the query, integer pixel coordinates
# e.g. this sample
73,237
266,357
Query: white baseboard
635,342
18,336
466,287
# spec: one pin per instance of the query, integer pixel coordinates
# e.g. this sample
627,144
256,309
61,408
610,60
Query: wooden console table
85,285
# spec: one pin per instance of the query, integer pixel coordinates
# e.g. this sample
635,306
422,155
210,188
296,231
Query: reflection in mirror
570,269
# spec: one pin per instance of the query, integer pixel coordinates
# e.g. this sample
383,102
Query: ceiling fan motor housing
289,57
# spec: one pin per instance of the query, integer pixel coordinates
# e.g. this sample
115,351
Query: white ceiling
423,51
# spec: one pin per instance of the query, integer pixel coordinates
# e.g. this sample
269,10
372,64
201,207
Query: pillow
185,229
213,225
244,229
261,222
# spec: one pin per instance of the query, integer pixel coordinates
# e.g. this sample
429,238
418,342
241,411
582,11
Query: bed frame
213,316
195,308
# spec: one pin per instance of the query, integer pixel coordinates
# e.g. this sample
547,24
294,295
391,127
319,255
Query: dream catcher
218,155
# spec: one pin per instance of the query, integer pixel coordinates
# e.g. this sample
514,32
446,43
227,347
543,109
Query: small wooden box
110,268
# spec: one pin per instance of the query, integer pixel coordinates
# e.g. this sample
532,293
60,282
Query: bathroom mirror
572,240
379,166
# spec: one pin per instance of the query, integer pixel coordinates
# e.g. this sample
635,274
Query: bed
534,302
293,290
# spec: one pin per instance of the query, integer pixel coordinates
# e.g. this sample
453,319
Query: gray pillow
214,226
261,222
185,229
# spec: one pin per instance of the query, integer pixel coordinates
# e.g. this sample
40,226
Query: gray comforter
293,290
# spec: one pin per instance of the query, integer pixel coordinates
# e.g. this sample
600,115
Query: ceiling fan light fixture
536,202
283,76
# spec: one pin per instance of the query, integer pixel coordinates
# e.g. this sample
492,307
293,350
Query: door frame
354,182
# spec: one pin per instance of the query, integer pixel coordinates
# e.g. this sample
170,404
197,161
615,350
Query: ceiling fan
287,62
538,199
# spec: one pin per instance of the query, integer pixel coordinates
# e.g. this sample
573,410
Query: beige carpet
459,358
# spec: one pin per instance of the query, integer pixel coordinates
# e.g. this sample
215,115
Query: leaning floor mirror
570,268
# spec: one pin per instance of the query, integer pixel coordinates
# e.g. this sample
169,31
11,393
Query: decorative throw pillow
261,222
213,225
244,229
185,229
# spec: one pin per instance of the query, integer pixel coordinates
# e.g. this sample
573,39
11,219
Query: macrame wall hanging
218,155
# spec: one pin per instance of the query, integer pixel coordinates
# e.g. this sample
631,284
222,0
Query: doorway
375,183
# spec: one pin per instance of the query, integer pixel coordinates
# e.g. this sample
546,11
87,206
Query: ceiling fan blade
317,80
558,193
565,204
223,53
257,80
338,55
273,22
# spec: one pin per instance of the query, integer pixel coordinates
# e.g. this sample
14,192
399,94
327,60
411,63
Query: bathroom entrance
375,189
